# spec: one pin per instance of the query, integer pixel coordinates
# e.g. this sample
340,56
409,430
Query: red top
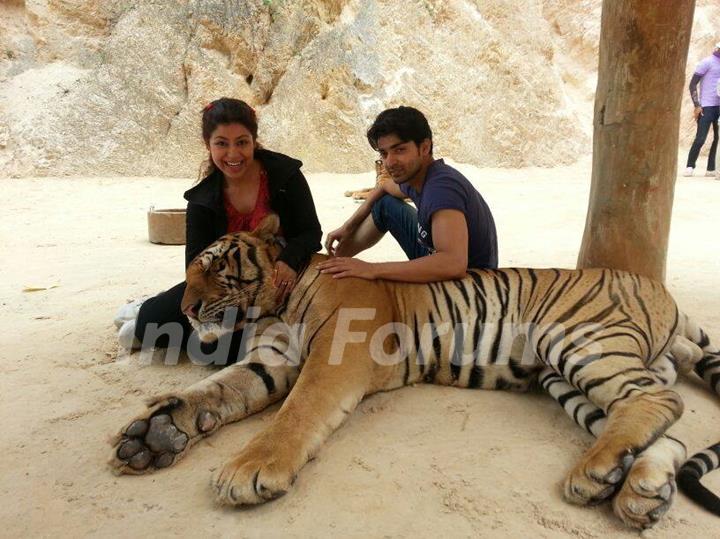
247,222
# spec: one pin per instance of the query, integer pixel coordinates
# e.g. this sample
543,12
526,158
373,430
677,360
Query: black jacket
290,198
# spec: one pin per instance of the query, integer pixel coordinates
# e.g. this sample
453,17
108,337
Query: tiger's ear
213,251
268,227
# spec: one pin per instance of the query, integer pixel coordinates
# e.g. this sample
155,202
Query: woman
243,183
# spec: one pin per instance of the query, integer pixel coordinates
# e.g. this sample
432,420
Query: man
707,109
451,230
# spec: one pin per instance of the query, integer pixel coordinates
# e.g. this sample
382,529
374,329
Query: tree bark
641,75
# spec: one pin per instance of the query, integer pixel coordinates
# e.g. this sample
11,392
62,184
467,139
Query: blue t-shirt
446,189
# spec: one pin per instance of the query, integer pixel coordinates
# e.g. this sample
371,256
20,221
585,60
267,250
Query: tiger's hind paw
646,495
161,435
596,479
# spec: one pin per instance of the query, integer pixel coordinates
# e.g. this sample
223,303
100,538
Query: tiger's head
232,275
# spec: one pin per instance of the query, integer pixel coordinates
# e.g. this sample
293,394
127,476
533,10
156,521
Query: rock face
115,87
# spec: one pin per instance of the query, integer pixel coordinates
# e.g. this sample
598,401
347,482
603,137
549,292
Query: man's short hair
408,123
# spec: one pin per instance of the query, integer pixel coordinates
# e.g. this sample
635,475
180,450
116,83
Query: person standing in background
707,110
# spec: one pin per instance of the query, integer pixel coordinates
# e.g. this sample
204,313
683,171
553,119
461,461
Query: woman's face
232,148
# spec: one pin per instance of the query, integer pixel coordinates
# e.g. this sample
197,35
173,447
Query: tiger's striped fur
606,341
684,357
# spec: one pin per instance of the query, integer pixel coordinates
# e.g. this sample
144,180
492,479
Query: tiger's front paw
160,436
596,478
262,472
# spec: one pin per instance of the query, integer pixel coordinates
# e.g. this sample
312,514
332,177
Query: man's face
402,160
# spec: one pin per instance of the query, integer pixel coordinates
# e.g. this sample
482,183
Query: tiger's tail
707,460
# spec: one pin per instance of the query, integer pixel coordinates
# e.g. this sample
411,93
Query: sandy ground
421,461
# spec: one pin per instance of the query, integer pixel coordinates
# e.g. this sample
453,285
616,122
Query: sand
420,461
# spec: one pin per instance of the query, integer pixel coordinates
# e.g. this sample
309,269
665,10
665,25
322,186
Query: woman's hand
284,280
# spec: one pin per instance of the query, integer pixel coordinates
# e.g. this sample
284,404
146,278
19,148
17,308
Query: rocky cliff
114,87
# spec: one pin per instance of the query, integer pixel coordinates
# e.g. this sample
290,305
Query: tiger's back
495,329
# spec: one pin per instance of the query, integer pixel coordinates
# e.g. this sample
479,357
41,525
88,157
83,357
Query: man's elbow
457,268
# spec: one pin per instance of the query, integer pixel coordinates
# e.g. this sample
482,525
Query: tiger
381,176
606,344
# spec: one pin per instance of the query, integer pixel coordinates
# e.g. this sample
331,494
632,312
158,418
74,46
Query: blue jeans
709,118
396,216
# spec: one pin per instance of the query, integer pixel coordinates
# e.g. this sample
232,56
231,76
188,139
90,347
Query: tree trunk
643,52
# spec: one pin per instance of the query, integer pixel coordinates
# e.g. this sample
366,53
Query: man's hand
284,280
338,235
348,267
697,113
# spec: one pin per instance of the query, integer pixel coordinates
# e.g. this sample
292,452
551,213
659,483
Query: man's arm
365,208
700,70
694,95
450,237
449,261
388,187
693,89
391,188
356,219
